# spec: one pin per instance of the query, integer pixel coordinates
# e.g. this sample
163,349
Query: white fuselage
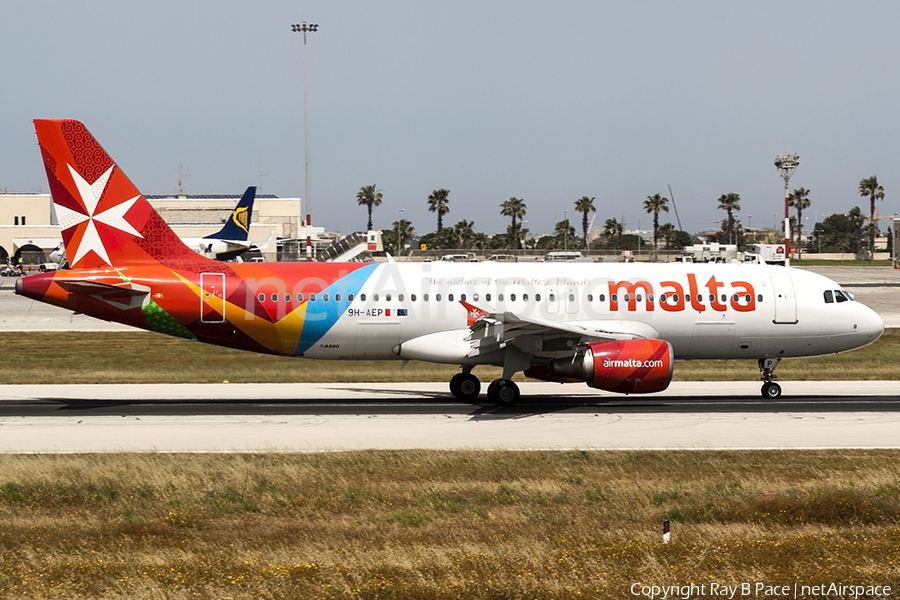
416,310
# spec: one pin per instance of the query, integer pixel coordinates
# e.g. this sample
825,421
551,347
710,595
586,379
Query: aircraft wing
494,331
264,244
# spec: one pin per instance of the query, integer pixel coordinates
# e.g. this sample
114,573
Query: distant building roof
202,196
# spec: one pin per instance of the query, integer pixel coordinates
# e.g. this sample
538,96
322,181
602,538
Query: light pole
305,28
640,239
399,218
786,163
566,236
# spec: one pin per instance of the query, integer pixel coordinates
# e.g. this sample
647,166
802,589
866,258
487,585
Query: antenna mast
677,218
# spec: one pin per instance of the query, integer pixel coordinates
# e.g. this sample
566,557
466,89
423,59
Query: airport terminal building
30,230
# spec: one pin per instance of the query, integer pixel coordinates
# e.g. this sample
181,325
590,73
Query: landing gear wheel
771,390
465,386
503,392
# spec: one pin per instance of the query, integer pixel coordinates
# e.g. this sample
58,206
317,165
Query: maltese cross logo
86,222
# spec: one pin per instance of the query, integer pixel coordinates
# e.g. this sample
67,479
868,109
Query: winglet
104,219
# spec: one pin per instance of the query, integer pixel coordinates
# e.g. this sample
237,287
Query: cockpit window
829,297
840,296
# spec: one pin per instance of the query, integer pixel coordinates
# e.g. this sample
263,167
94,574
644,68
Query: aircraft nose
870,324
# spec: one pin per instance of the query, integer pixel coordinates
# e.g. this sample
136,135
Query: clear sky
545,101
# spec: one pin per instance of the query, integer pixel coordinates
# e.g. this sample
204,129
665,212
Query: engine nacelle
627,367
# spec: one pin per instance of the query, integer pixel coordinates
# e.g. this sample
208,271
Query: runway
331,417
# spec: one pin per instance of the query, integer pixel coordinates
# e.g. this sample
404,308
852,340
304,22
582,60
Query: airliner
615,327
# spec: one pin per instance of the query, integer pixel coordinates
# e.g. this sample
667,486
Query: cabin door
785,301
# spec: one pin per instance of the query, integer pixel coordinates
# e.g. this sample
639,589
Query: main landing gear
465,386
770,389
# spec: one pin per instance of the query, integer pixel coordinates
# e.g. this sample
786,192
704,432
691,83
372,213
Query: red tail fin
105,221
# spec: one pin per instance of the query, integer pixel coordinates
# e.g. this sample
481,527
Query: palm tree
667,231
368,196
564,230
584,205
613,230
869,187
730,203
464,230
654,205
437,202
515,208
404,231
798,199
480,240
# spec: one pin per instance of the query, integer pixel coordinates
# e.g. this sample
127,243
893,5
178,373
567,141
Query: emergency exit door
212,299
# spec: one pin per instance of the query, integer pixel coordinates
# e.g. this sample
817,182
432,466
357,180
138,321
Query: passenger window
572,298
362,297
551,297
424,297
487,297
437,297
299,297
262,297
724,298
512,297
462,297
747,298
602,297
699,298
375,297
736,298
649,298
287,297
627,297
614,298
325,297
412,297
474,297
662,298
450,297
758,297
274,297
639,298
387,297
675,297
350,298
590,297
337,297
499,297
400,297
537,297
312,297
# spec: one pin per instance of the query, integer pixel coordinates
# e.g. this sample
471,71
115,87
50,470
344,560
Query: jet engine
628,367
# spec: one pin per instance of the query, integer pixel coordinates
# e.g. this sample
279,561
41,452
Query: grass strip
442,524
140,357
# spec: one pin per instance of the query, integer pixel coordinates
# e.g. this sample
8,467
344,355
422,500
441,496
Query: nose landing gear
770,389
